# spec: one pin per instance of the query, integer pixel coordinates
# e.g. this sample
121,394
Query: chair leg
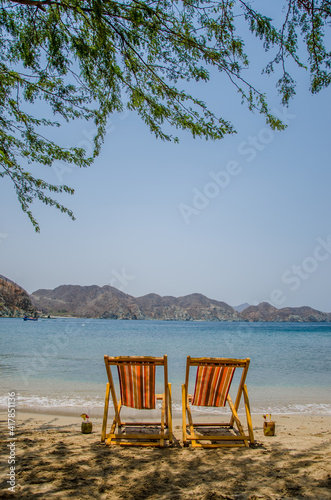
169,413
116,422
248,415
184,403
162,422
237,420
105,415
191,425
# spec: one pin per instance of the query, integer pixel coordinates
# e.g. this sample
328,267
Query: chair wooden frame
199,440
138,439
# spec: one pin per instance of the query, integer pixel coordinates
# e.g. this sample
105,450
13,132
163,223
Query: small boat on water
29,319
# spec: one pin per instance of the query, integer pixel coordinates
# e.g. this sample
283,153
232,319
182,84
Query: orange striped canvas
137,385
212,385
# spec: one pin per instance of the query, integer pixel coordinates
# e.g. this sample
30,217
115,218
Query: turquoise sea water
57,364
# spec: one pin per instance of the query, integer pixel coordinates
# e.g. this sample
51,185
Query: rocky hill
190,307
14,300
266,312
108,302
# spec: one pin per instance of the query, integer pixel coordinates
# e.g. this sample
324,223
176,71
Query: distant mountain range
110,303
241,307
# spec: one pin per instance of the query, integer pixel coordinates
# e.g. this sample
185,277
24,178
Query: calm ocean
57,364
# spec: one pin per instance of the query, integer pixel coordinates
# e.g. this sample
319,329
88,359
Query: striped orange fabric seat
137,385
212,385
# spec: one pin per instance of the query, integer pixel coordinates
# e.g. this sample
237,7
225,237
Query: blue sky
152,218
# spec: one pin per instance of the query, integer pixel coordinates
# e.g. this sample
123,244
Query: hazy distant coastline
108,302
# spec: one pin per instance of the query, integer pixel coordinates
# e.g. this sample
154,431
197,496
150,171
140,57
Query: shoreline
74,399
177,413
173,320
78,398
55,460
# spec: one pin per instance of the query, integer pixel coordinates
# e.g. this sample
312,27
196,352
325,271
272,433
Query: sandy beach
53,459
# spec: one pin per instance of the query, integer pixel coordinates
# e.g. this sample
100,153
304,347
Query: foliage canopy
90,58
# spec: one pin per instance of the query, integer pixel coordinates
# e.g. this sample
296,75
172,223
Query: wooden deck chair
136,375
213,381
